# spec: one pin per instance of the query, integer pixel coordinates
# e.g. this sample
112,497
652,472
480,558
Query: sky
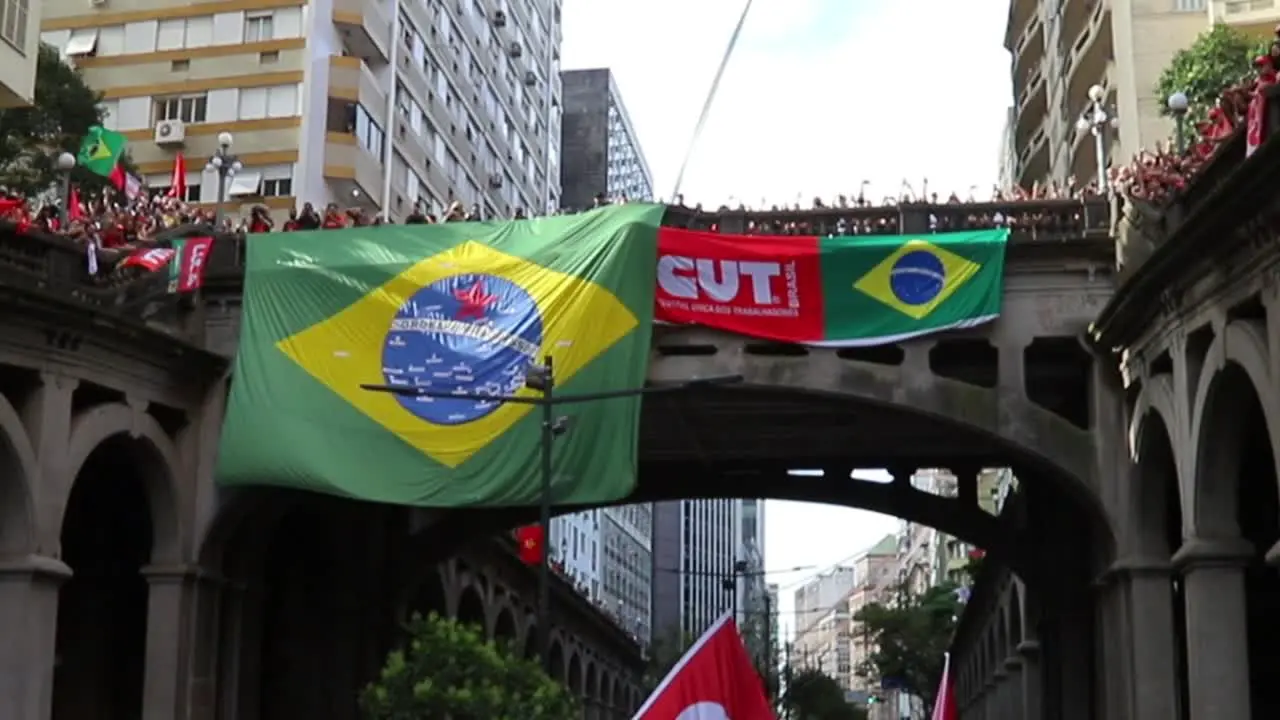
819,97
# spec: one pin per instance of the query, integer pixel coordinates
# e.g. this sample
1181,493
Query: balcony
1256,17
1030,49
351,79
1033,161
1031,107
1091,55
365,27
1021,13
1076,15
352,170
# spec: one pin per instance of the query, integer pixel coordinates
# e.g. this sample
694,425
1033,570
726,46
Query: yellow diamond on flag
917,277
504,312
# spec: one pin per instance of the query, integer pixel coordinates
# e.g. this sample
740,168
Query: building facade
377,104
574,542
874,570
696,557
1061,48
19,50
601,152
626,568
822,621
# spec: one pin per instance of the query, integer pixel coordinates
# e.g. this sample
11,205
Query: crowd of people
1154,176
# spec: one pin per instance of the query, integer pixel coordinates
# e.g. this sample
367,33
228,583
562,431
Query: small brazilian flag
100,151
461,310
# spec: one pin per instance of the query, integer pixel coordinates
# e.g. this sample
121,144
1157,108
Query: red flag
150,259
75,211
187,274
944,705
715,680
178,180
531,539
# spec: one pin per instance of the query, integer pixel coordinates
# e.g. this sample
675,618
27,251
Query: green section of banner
459,311
884,288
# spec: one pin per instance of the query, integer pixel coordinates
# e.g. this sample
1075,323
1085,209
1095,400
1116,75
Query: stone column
1146,589
1000,691
1217,633
29,618
1013,688
1029,651
169,640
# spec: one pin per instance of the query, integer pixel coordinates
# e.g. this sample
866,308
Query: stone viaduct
135,584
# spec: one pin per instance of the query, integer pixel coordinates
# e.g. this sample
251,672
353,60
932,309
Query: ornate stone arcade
270,604
1188,604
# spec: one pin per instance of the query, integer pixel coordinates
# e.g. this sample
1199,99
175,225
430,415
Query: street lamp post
541,378
1095,119
66,163
225,165
1178,104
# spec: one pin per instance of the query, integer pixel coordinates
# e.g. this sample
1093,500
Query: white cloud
820,94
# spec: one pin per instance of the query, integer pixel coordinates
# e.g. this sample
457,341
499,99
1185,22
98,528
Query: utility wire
711,96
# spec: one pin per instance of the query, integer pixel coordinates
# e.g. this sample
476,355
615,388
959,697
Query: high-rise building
626,567
365,103
574,543
20,31
875,584
822,621
601,154
1061,48
698,563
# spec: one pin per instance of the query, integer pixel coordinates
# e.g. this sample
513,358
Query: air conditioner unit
515,50
530,78
495,181
170,132
500,19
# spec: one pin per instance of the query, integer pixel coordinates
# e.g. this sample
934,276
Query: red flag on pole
178,180
75,211
531,539
944,705
715,680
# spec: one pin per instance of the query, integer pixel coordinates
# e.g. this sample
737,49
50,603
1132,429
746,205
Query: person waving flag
715,680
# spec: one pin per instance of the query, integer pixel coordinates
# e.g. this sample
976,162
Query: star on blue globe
917,278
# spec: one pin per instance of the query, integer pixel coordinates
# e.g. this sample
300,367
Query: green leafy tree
1219,58
911,638
31,138
448,670
663,654
814,695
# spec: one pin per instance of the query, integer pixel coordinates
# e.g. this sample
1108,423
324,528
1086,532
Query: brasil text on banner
454,308
836,291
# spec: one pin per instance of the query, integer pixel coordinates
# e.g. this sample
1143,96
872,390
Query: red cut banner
747,284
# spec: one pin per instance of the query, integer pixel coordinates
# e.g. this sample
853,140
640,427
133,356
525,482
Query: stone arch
1019,423
556,664
1156,398
574,674
160,468
1016,635
1154,482
591,683
471,607
19,534
1235,364
504,625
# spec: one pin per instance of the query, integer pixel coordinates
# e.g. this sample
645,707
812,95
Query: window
258,26
368,133
13,23
277,187
1189,5
187,108
263,102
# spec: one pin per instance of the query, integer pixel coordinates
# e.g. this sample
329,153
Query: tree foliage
664,652
1219,58
911,638
814,695
31,138
448,670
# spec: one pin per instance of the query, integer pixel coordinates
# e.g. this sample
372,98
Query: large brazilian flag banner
460,308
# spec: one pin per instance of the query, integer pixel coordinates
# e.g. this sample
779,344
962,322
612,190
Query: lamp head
1178,102
1096,93
66,161
225,139
1083,125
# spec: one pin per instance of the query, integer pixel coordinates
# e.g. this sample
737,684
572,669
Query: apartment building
376,104
20,33
602,154
1061,48
875,572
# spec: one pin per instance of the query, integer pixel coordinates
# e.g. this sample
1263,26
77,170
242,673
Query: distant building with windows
353,102
601,153
20,31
